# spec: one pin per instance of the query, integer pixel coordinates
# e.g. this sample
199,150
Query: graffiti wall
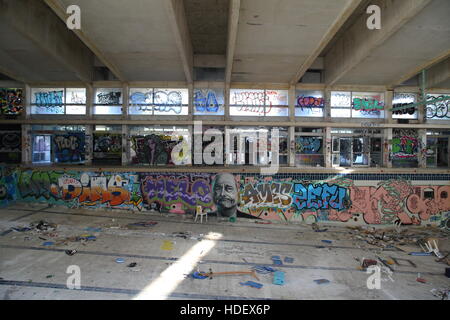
176,193
69,148
10,146
11,101
297,198
153,149
107,147
80,189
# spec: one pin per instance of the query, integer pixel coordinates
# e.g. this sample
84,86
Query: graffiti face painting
225,194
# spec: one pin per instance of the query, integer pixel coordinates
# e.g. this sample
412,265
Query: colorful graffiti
308,145
367,104
11,101
74,189
69,148
206,101
337,199
405,144
50,101
251,101
310,102
176,193
107,145
167,101
153,149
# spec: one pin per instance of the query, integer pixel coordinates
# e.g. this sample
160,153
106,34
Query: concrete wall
375,199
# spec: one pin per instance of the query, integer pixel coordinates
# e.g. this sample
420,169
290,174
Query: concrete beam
328,36
60,9
416,71
438,74
358,42
233,21
33,20
177,18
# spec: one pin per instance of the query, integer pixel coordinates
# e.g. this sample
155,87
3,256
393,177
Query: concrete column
90,91
125,100
388,97
89,145
291,147
291,98
26,144
191,101
327,108
422,155
327,150
387,148
227,146
125,145
27,102
227,102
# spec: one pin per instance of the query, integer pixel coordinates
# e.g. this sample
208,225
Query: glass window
356,147
41,149
141,101
405,148
309,151
437,149
403,99
107,148
248,143
208,101
47,101
155,145
366,105
58,101
10,145
11,101
170,101
309,104
439,110
69,147
108,101
258,102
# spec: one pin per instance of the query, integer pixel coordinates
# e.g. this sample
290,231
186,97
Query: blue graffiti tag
208,102
317,197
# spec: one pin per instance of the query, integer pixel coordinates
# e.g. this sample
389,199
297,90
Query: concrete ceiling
276,36
422,39
134,35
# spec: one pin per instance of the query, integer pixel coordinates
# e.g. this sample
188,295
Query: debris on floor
263,269
420,279
278,278
440,293
210,274
322,281
289,260
44,226
199,275
327,241
120,260
252,284
132,265
184,235
167,245
368,262
277,260
24,229
71,252
48,243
